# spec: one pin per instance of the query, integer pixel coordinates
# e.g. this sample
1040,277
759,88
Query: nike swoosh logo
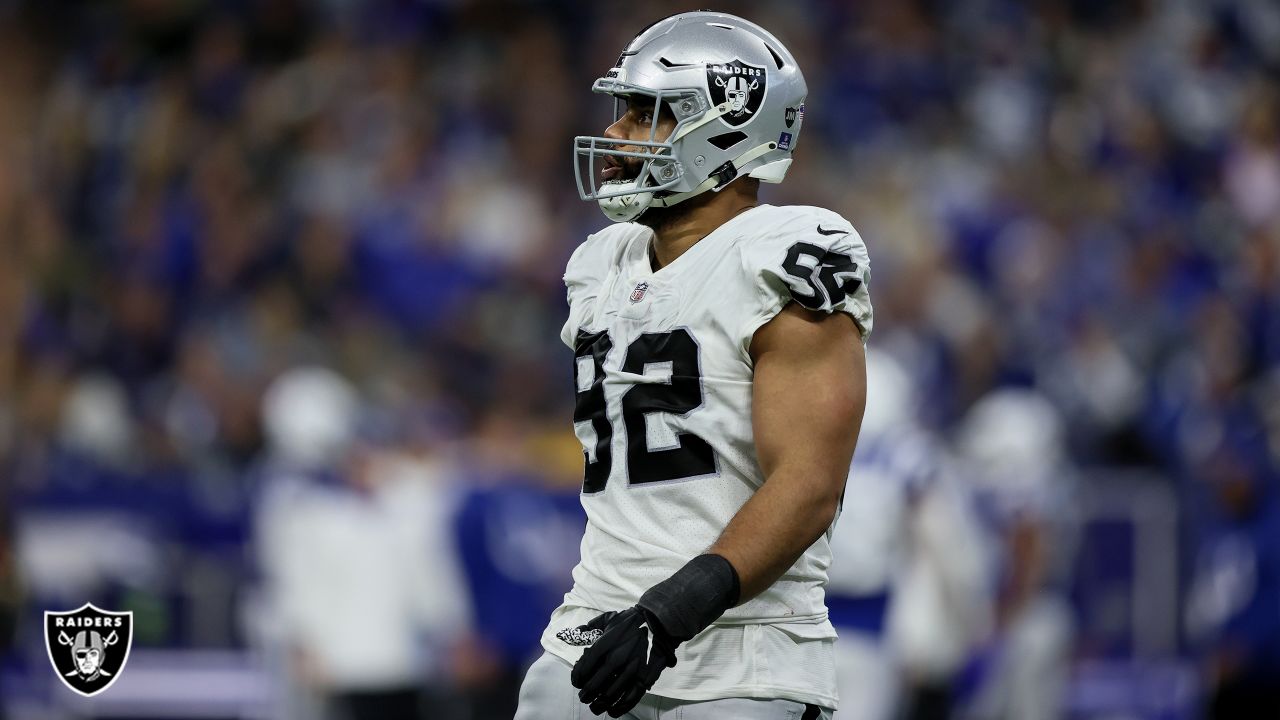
832,232
648,634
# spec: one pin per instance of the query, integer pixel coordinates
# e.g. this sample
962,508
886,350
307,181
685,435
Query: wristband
694,597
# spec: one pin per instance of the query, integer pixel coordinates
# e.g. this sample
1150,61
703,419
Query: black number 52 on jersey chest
691,456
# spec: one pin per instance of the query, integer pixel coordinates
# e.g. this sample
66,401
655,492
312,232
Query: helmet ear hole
727,140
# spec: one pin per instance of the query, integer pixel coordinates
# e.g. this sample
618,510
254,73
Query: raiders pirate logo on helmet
88,647
739,83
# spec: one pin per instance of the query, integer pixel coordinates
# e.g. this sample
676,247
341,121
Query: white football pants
547,694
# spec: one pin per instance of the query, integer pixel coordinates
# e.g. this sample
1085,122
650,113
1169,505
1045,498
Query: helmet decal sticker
741,85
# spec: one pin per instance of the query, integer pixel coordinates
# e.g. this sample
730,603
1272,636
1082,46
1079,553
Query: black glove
620,667
640,642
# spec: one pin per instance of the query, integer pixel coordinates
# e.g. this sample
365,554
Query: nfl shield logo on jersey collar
88,647
638,293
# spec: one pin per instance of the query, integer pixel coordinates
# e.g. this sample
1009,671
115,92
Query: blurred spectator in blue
10,598
518,529
1233,609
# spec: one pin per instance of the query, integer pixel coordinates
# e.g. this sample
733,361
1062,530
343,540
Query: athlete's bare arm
809,393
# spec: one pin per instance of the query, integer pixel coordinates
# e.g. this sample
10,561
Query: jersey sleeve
583,276
815,259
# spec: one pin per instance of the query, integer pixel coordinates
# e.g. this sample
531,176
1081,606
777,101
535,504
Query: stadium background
1080,197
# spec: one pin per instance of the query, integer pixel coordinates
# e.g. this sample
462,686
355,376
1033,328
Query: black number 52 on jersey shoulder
828,276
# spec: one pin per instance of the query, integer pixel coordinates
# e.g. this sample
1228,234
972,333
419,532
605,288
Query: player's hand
619,668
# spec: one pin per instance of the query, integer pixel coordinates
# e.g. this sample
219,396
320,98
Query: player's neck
675,233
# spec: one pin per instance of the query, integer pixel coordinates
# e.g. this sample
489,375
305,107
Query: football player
718,358
1012,444
907,586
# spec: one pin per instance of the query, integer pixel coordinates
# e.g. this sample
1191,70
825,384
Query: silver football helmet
738,99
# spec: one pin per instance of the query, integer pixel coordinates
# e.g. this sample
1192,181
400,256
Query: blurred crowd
1079,198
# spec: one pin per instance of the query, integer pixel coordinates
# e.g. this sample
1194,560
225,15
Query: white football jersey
889,469
664,391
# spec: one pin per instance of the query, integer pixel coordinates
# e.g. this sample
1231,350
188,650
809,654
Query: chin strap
719,177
